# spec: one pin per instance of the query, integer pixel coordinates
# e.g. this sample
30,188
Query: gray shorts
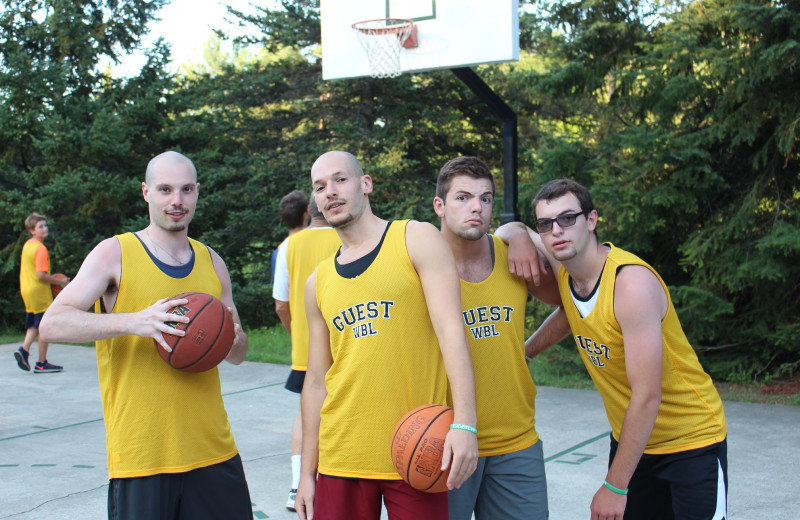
512,485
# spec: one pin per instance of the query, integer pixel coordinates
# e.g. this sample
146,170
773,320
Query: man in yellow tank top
510,479
171,453
668,445
34,285
294,210
297,259
384,320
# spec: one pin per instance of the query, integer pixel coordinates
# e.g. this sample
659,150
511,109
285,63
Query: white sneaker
290,501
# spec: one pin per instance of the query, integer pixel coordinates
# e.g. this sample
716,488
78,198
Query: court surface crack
76,493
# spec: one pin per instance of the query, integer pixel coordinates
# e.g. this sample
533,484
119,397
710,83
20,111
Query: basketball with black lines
209,334
418,446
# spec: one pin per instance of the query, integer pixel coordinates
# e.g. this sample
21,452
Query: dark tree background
682,118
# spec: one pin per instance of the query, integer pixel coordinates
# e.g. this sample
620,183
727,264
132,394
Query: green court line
50,430
46,430
257,513
577,446
583,458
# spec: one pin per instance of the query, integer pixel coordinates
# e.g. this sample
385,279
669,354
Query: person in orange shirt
34,283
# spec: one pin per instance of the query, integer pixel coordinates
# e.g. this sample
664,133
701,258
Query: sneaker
22,359
44,367
290,501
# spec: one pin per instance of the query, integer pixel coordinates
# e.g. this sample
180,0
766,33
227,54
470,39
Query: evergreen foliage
681,117
686,133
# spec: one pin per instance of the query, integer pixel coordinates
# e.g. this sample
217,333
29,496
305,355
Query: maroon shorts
347,498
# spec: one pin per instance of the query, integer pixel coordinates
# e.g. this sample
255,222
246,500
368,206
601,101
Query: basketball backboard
450,33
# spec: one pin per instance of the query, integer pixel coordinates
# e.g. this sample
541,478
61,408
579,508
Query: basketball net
383,40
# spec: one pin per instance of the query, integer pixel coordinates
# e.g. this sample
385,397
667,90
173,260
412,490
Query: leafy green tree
74,141
685,128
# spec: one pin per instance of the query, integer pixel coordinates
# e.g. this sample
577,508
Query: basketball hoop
383,39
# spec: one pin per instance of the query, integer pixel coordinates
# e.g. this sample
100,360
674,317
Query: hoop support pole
510,139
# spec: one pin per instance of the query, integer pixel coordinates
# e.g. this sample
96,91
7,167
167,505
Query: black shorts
688,485
216,492
32,320
294,383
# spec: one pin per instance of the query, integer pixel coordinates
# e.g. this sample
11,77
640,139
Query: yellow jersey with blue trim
690,415
305,250
494,318
386,359
36,294
159,419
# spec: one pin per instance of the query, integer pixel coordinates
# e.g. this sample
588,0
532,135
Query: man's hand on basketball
607,505
461,455
154,320
304,500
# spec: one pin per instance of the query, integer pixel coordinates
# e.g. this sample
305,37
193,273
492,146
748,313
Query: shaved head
346,158
167,159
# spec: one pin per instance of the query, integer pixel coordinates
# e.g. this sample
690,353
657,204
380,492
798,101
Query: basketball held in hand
209,334
55,288
418,446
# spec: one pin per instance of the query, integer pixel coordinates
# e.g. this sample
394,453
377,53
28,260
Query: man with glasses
668,445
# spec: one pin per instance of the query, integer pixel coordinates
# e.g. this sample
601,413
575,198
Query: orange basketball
209,334
418,445
54,287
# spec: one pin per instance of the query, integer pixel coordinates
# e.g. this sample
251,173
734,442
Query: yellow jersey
494,317
386,359
690,415
158,419
36,294
305,250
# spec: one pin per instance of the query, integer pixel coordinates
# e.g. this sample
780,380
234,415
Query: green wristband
615,489
467,427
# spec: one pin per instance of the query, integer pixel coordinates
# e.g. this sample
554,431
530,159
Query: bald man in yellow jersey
385,336
171,453
668,456
510,479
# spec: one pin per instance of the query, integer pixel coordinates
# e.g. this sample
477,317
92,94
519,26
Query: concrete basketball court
53,459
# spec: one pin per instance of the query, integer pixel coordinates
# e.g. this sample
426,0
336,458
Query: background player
298,258
34,285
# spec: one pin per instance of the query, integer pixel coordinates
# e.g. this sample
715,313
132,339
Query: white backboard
451,33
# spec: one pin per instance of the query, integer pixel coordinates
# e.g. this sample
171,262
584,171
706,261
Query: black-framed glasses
543,225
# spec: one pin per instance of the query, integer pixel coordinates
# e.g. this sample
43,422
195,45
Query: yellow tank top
305,250
494,316
386,359
35,293
158,419
690,415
